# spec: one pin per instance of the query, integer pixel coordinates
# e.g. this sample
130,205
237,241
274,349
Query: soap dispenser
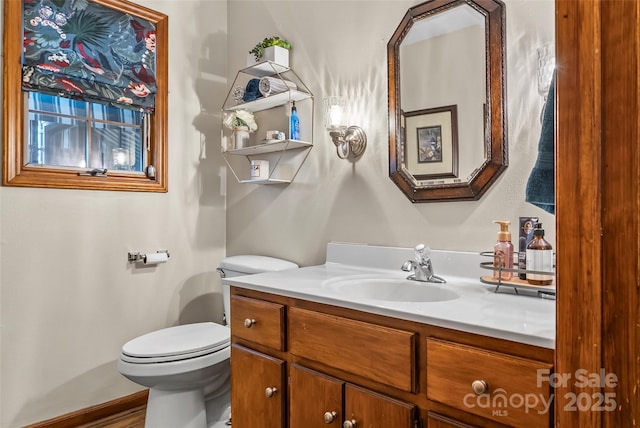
539,258
294,133
503,252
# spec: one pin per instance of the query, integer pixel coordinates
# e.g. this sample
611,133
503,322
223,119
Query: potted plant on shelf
241,122
270,49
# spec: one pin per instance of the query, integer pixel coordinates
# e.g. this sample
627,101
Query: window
75,116
69,133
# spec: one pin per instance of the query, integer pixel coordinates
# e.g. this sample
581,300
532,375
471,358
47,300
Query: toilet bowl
177,364
186,367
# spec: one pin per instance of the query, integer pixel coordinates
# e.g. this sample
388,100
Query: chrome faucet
421,266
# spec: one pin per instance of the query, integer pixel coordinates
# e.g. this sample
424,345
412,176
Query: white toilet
186,367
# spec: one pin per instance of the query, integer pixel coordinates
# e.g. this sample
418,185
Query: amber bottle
539,258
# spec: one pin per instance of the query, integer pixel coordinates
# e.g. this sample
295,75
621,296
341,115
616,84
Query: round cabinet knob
270,391
249,322
479,387
349,424
329,417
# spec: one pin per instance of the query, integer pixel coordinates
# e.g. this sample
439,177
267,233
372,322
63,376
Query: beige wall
340,47
69,297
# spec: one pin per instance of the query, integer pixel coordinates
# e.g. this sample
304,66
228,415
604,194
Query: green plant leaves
258,50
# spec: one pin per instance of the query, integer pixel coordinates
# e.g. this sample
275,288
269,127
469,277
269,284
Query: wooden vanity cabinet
300,364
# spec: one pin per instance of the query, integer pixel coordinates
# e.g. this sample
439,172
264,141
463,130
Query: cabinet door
371,410
257,389
435,420
315,399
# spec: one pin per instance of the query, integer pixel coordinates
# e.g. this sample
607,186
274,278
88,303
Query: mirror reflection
443,94
446,100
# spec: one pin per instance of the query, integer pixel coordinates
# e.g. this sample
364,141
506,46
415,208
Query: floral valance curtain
83,50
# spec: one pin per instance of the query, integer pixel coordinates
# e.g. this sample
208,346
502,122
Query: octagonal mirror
447,106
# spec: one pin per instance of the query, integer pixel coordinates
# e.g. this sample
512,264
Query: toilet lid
176,343
250,264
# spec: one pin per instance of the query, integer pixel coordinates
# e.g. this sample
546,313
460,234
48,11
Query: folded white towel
273,85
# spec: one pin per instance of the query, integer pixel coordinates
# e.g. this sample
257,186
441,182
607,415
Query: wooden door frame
597,213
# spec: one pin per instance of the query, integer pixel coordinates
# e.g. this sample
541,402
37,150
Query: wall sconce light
545,68
350,141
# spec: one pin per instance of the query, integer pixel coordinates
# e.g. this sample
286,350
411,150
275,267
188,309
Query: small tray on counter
515,283
518,284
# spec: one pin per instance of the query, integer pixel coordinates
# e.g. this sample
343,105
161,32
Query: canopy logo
500,401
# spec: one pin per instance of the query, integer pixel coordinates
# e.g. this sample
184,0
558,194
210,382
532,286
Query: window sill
69,179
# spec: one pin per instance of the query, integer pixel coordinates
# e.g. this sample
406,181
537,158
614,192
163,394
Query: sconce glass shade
350,141
335,109
546,66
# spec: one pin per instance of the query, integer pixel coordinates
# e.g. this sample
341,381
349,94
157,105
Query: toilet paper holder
139,257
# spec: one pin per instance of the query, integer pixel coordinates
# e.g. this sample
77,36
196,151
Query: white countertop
520,318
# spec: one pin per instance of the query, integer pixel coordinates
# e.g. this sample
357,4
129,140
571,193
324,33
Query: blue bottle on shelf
294,126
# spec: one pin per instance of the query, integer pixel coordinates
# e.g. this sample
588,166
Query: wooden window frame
16,173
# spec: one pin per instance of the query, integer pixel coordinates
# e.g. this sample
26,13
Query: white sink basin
391,289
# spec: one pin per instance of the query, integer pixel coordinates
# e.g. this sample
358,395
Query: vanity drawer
378,353
258,321
512,395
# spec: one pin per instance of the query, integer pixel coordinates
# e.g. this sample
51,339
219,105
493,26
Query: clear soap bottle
539,258
503,252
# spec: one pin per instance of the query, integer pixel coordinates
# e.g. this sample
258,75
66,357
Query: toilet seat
249,264
177,343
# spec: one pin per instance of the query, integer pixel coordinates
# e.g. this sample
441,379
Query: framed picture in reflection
432,142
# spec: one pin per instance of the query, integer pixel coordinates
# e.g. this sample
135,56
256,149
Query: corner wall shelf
272,113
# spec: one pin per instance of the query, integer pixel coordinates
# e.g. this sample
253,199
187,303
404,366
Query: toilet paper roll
155,258
272,85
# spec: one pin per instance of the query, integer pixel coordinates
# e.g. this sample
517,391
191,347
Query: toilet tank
247,265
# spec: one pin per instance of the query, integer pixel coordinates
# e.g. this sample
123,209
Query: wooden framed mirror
447,100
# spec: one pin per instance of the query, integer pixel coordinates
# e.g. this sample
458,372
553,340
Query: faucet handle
408,265
423,253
